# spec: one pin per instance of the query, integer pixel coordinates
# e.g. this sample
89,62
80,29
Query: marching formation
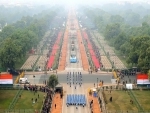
76,99
74,79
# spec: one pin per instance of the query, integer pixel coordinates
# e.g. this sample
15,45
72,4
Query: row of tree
12,13
20,37
132,41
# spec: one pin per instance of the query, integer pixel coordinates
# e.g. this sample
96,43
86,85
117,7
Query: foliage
11,14
53,81
9,55
111,31
126,30
17,39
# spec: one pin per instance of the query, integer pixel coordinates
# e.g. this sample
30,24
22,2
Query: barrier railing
120,87
14,87
140,109
127,111
12,104
20,111
101,101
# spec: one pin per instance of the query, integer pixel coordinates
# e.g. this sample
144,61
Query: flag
142,79
6,79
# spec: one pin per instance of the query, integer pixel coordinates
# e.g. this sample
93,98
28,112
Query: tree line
18,38
133,42
12,13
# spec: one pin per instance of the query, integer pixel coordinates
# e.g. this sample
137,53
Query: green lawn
143,98
6,96
25,101
120,101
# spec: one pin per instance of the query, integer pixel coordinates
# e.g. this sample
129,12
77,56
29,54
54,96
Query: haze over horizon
97,2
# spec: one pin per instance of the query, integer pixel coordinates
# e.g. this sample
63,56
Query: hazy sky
66,1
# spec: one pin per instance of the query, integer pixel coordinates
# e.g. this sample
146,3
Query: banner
142,79
6,79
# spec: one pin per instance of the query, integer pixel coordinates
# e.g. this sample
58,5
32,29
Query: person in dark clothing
110,99
55,106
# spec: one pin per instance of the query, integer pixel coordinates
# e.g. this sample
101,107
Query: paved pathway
58,101
74,67
61,106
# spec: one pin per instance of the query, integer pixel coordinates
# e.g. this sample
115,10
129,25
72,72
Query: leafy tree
53,81
116,19
132,18
112,31
10,53
7,31
119,40
126,31
139,52
17,39
125,48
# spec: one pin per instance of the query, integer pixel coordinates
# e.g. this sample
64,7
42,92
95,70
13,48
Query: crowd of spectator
47,99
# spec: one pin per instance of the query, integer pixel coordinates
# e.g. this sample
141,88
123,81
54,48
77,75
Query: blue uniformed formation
76,99
74,78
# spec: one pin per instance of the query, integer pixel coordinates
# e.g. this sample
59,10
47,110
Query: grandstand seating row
104,59
76,99
45,51
108,50
42,62
30,62
105,62
41,43
97,44
117,62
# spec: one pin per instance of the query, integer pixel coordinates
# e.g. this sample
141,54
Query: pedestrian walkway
57,100
95,106
64,49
